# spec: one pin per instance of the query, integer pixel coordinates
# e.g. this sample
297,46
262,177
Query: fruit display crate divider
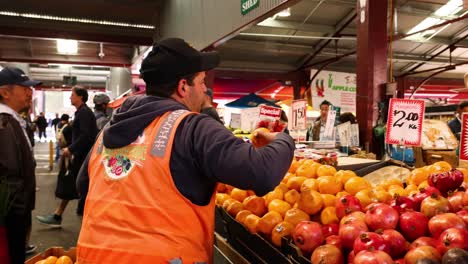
53,251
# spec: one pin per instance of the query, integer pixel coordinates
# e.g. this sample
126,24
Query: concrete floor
45,237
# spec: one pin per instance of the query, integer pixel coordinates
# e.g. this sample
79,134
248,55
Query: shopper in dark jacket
207,107
203,153
41,123
84,131
16,158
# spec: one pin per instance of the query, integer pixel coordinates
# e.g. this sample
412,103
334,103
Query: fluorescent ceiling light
74,20
67,46
285,13
451,8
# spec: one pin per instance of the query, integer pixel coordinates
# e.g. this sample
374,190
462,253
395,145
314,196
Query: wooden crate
432,156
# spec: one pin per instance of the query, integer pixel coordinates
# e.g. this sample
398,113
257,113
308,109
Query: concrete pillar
371,65
120,81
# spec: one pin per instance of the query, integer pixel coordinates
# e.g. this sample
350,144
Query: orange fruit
292,196
326,170
328,215
423,185
442,166
227,203
221,188
280,230
239,194
356,215
279,206
287,177
283,187
64,260
309,184
328,200
295,183
391,181
294,216
397,190
251,222
417,176
257,141
340,194
364,197
381,196
50,260
344,175
294,165
329,185
229,189
234,208
275,194
40,262
307,170
355,184
268,221
221,197
241,215
310,202
411,187
255,204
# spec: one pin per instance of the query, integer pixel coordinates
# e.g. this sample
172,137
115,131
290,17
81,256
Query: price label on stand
328,134
404,124
299,114
464,138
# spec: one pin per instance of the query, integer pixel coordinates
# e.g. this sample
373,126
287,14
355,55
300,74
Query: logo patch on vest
117,167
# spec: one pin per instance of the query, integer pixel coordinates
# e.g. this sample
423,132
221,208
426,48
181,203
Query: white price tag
404,124
330,126
299,114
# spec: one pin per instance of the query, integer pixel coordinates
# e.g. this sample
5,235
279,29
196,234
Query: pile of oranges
309,191
56,260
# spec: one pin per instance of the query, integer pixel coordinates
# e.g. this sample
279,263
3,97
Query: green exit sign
248,5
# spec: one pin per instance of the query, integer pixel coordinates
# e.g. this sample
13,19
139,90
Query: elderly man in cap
153,172
207,107
16,158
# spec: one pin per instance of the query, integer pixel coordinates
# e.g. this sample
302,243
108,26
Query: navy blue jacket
204,151
84,131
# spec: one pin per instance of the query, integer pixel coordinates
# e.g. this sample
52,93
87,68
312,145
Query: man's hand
66,152
262,137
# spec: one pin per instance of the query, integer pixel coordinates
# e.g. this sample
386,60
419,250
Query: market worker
153,171
17,162
455,124
316,131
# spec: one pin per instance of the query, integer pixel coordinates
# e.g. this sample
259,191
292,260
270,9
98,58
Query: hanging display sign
339,88
248,5
464,138
299,115
329,132
404,124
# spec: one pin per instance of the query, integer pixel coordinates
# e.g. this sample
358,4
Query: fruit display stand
53,251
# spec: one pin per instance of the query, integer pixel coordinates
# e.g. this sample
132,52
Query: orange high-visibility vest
134,213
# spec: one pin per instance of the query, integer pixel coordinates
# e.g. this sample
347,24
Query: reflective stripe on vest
134,213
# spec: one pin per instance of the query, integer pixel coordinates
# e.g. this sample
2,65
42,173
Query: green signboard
248,5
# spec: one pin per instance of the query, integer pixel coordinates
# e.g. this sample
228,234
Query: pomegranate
463,214
446,181
423,194
372,257
403,204
424,241
381,216
346,205
351,257
453,238
399,261
349,232
455,201
370,241
395,241
334,240
307,236
441,222
327,254
413,225
330,229
433,205
422,252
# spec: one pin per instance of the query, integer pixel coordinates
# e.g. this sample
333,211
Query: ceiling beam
79,60
273,23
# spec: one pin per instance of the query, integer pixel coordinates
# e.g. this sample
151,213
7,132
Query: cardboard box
53,251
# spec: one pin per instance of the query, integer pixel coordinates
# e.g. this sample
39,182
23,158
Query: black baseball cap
173,58
12,75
